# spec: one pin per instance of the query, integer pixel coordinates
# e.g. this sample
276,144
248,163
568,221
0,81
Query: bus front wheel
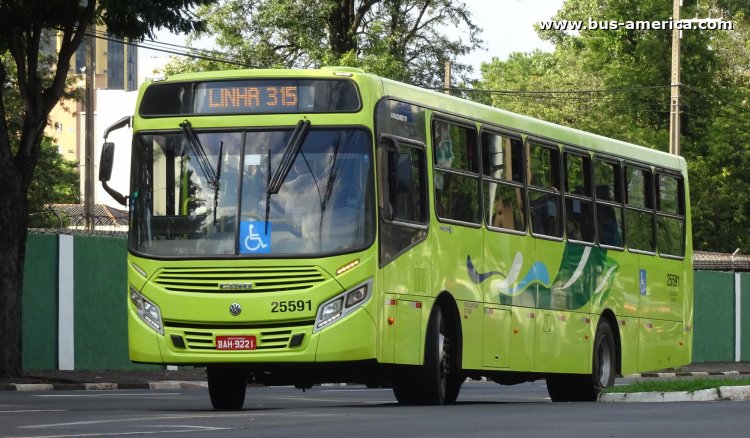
226,387
439,379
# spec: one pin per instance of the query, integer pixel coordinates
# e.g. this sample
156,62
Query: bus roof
379,87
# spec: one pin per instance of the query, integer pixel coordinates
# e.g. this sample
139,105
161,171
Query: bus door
404,255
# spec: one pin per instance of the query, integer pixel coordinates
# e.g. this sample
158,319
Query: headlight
147,311
342,304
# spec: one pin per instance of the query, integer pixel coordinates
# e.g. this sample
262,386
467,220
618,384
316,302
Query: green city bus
297,227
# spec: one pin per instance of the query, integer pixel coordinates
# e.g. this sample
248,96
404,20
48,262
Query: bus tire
439,380
407,393
604,361
226,387
560,388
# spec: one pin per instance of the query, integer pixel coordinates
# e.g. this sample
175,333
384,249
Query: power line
174,49
718,99
542,92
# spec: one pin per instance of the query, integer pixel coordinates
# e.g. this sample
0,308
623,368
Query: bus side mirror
106,161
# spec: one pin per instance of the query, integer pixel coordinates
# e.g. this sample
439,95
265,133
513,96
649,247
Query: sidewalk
104,380
187,377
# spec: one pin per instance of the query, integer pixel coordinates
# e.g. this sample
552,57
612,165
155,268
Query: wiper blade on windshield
290,154
218,178
200,154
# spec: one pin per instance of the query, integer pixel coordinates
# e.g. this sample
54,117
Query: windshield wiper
206,167
218,178
290,154
291,150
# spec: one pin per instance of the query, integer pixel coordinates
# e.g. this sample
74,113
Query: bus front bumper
350,339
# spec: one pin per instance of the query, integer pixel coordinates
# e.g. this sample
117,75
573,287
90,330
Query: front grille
240,280
267,339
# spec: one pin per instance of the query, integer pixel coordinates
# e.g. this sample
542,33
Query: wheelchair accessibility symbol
253,239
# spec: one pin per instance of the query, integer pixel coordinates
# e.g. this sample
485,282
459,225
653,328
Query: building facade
116,68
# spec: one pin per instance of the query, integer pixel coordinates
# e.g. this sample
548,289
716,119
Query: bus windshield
209,195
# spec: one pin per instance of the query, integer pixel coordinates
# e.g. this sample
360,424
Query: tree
56,182
22,26
401,39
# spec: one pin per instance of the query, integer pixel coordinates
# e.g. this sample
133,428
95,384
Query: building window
115,65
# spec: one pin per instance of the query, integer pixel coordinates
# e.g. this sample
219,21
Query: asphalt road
483,409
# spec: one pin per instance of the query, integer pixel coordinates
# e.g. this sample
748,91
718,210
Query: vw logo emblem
235,309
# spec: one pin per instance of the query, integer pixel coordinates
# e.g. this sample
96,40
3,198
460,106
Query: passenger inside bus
609,228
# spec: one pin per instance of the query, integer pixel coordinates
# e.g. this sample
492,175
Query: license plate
235,343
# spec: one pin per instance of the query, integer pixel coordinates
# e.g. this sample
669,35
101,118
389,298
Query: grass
689,385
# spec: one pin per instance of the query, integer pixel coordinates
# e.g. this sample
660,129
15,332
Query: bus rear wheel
226,387
438,381
587,387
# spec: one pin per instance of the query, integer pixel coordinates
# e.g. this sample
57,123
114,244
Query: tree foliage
57,182
24,115
406,40
635,66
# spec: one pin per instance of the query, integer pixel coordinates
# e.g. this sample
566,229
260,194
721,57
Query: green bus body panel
352,339
525,303
563,342
522,338
496,344
629,344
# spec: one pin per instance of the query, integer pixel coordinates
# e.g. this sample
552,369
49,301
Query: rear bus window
670,216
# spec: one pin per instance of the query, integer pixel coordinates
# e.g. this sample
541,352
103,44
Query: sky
507,27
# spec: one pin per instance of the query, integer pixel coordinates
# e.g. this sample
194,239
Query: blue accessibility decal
255,237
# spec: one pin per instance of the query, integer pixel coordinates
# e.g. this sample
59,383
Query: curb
103,386
735,393
687,374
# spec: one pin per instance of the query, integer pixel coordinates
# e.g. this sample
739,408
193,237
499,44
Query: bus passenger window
608,203
456,177
544,191
502,159
578,202
670,216
639,212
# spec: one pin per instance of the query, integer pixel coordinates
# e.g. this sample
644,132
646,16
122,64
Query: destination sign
258,97
274,98
250,96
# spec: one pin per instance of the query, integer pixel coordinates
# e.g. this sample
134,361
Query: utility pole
674,105
88,196
447,85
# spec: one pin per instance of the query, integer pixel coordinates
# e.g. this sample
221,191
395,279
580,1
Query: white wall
111,106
